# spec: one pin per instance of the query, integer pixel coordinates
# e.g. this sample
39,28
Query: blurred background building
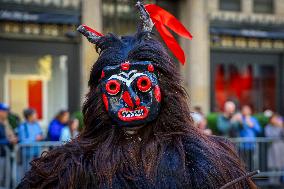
237,51
39,55
246,53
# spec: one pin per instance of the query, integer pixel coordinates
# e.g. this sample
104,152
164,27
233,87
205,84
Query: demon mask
130,89
131,93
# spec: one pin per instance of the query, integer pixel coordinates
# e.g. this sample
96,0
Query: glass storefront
247,84
247,79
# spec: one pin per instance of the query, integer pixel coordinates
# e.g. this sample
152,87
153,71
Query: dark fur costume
167,153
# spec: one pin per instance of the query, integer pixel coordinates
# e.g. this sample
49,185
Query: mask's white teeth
134,113
124,114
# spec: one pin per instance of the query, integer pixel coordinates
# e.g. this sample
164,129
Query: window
263,6
34,81
121,16
245,84
230,5
252,78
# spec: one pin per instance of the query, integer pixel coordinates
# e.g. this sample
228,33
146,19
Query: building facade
246,53
39,56
236,53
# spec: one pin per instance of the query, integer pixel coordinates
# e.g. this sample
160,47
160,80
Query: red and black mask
130,90
131,93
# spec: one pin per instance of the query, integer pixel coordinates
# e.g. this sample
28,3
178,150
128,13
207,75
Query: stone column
91,16
247,6
279,7
212,5
196,72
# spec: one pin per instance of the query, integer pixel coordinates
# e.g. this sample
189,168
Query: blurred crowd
230,123
242,124
27,133
61,128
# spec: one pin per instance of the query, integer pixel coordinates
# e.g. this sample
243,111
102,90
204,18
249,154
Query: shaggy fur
166,153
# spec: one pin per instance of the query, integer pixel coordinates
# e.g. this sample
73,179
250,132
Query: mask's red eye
113,87
144,83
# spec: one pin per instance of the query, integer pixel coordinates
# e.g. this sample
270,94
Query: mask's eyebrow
127,75
127,81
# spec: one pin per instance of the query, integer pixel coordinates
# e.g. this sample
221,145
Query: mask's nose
131,98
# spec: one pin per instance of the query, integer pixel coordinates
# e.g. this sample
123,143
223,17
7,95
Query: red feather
163,19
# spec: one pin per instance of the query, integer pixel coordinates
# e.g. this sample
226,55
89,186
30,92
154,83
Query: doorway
23,91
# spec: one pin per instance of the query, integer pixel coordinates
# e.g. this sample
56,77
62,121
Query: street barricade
24,154
5,166
14,162
255,152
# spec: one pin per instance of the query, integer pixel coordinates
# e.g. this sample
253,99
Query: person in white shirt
70,131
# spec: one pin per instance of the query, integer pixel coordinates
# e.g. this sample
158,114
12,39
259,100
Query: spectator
198,109
228,122
201,123
57,124
249,129
71,131
268,113
275,154
30,130
7,135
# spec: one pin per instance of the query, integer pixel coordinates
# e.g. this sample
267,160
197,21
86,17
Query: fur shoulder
63,167
212,162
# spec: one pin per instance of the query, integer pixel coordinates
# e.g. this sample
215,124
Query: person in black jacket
7,138
7,135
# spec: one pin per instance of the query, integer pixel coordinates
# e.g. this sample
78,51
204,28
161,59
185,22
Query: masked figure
131,93
138,131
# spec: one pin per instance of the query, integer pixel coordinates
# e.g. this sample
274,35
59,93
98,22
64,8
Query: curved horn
92,35
145,17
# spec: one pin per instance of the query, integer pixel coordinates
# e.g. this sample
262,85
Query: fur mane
115,152
104,155
174,119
